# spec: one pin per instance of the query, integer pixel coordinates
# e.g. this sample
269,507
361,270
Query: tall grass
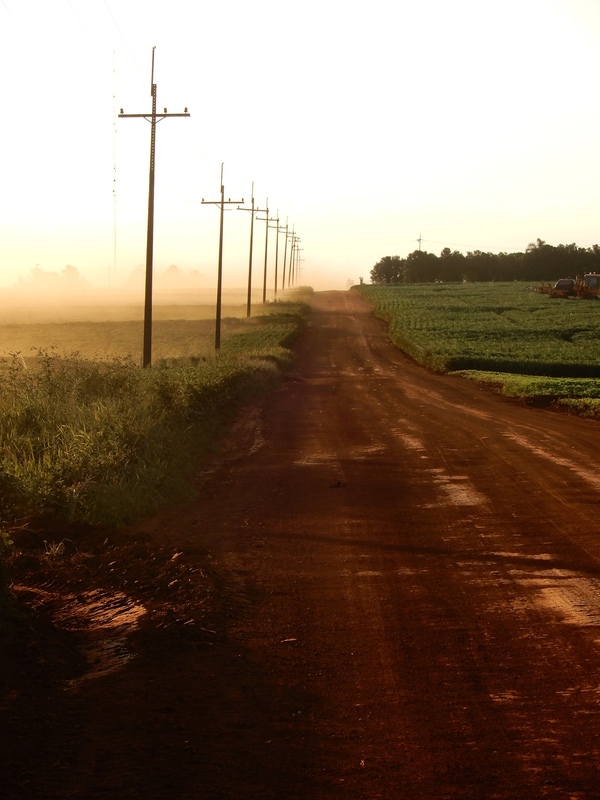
104,441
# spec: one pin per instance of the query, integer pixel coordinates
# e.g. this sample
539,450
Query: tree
543,262
72,279
390,269
539,262
451,265
421,267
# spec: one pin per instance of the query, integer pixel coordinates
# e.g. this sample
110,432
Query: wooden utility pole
299,259
284,254
277,228
293,259
152,118
222,203
253,210
266,219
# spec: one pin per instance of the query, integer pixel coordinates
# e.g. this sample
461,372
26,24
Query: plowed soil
388,587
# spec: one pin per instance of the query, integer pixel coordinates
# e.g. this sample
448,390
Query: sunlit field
522,342
183,324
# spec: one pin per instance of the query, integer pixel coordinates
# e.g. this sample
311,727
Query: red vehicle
586,287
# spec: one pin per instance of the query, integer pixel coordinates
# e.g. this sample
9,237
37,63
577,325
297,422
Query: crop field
181,327
522,342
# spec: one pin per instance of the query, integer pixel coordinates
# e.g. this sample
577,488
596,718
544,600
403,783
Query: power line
89,35
112,16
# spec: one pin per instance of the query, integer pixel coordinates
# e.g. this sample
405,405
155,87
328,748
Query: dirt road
388,588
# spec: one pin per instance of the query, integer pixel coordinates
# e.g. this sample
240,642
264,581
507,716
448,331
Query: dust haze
64,313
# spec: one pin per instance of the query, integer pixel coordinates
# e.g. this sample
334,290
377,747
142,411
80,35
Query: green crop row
522,342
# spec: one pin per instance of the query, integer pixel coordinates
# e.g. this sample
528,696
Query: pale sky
472,124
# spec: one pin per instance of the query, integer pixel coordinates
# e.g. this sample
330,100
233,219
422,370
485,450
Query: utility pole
222,203
298,260
266,219
114,275
277,228
253,210
152,118
284,255
290,236
294,259
291,270
419,240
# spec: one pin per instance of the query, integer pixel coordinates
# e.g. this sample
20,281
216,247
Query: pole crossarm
255,210
149,117
221,202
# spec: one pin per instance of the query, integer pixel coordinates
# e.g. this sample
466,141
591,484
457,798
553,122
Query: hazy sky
473,124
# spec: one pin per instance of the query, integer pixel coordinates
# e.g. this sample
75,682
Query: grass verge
577,395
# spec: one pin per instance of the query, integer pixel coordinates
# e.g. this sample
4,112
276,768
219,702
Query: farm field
522,342
183,324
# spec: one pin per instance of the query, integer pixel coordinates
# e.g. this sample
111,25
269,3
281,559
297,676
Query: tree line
540,262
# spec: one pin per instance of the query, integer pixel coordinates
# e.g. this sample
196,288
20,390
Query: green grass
522,343
104,441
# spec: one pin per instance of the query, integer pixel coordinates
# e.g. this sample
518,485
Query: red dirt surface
388,587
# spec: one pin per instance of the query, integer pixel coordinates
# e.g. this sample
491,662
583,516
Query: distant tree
450,266
421,267
390,269
508,267
544,262
196,278
136,277
171,277
72,279
540,262
479,266
41,280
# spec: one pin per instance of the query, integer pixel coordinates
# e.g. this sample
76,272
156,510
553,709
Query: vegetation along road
388,587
